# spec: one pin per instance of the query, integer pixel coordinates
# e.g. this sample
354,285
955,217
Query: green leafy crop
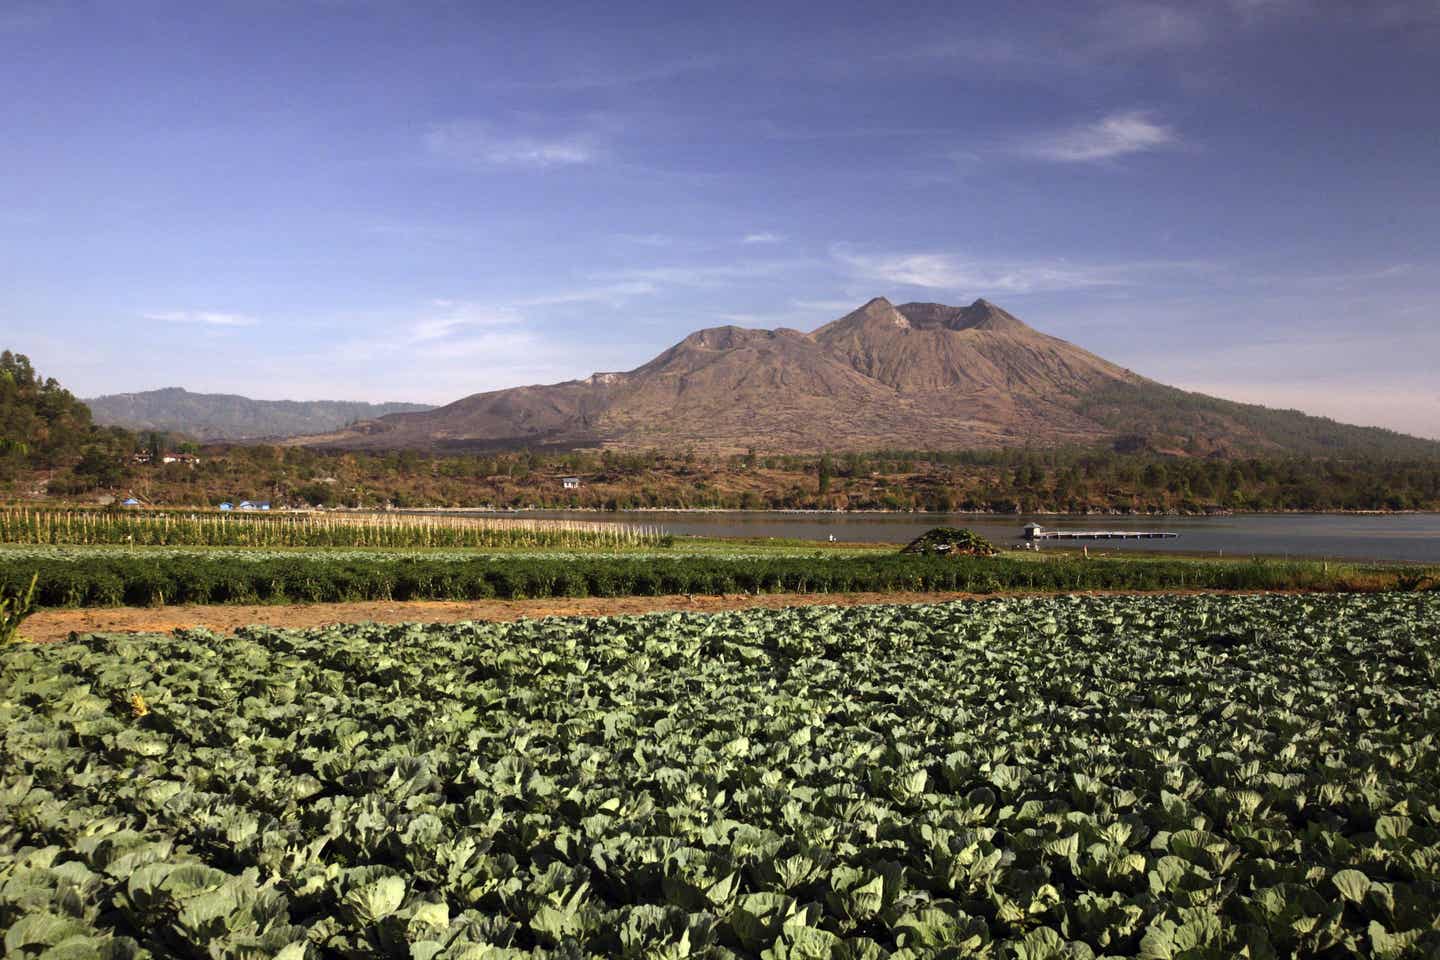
15,606
152,576
1196,777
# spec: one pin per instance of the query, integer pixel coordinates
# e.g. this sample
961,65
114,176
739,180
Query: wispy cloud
1326,372
611,293
1147,27
207,318
479,145
708,274
974,276
1261,8
1338,279
1407,13
825,306
1082,36
800,314
443,363
445,320
761,237
1116,135
771,130
450,317
453,348
20,16
601,76
646,239
1381,14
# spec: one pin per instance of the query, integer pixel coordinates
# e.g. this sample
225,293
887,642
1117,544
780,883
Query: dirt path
50,625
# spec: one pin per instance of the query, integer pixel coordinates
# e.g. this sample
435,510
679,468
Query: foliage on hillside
41,423
1167,417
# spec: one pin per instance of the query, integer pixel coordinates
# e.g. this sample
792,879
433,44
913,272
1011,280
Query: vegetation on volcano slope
1200,777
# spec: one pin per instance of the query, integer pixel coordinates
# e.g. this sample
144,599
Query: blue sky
412,200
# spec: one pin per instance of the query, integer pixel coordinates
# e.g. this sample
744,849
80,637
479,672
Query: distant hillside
1174,420
920,376
219,416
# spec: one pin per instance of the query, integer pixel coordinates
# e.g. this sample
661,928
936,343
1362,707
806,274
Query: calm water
1413,537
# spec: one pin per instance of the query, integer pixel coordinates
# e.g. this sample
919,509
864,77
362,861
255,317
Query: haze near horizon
371,201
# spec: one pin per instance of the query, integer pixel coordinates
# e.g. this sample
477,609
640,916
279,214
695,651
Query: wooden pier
1033,531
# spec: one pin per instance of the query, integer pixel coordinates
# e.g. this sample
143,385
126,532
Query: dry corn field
179,528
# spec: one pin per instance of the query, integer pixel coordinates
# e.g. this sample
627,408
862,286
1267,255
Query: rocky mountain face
913,376
219,416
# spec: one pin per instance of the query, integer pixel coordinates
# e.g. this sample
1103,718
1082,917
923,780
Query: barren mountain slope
918,376
928,347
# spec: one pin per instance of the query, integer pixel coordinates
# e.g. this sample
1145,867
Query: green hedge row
114,581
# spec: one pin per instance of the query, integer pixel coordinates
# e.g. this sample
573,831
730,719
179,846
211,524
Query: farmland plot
1198,777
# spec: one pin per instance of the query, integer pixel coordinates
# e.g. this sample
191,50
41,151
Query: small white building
570,483
1033,531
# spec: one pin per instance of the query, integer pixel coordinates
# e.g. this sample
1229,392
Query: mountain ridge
226,416
913,376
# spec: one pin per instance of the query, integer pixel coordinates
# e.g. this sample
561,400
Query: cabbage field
1193,777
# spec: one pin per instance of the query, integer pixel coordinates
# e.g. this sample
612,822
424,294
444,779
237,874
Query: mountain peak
876,311
980,315
727,337
984,315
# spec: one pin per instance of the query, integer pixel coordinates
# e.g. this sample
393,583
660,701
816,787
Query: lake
1408,536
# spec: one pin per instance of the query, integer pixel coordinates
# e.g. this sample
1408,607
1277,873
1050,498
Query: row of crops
1201,777
210,529
138,579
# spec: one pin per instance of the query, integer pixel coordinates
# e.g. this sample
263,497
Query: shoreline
501,511
47,504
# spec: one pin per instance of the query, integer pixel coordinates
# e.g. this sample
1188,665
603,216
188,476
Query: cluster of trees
43,426
988,481
1081,479
1070,481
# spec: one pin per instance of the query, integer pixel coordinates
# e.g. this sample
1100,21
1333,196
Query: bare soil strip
48,626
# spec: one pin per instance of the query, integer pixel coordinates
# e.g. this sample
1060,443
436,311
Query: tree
99,467
41,415
826,470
